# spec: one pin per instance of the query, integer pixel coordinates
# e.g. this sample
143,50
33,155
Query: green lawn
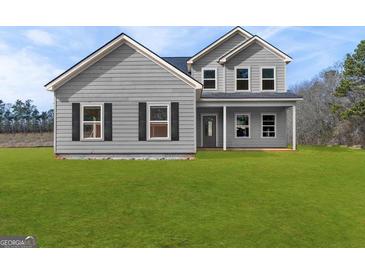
314,197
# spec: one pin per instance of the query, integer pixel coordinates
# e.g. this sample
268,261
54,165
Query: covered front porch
246,125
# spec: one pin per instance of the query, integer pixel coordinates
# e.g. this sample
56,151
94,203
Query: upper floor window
268,79
242,79
210,78
91,122
158,121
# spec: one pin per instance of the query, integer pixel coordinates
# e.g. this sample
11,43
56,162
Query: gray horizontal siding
255,57
211,58
255,139
124,78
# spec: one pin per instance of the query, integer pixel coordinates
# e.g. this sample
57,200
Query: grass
310,198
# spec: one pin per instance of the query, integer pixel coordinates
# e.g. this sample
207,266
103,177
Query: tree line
24,117
333,109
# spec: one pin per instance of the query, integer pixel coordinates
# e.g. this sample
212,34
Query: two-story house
123,100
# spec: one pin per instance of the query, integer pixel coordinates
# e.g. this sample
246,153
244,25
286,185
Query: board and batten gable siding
211,60
255,56
124,78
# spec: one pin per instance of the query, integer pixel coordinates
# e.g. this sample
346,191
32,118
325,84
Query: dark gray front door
209,131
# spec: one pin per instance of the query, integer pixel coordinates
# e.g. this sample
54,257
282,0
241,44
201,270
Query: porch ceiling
250,95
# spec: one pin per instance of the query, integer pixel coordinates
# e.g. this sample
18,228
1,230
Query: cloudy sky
31,56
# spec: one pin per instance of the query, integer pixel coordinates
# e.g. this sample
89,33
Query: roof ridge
248,34
236,47
261,40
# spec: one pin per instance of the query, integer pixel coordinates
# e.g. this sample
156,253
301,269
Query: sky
32,56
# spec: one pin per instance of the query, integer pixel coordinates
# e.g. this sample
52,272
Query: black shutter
142,121
174,121
75,122
108,125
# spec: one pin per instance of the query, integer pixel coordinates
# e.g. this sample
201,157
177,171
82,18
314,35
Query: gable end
108,48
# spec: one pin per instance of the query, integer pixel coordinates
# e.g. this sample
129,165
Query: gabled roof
223,59
179,62
219,41
109,47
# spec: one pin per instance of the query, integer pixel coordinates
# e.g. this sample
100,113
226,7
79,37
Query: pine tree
352,84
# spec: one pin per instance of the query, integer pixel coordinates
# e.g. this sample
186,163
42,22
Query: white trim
202,129
285,82
158,104
249,125
261,78
62,79
238,30
262,126
224,78
249,78
54,124
195,125
224,58
82,122
224,127
215,79
294,128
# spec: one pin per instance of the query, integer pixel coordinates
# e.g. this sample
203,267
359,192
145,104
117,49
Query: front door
209,131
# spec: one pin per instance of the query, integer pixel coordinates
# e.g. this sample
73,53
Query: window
91,124
268,79
242,125
268,125
210,78
242,79
158,121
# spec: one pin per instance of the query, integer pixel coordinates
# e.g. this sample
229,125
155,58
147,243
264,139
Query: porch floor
244,149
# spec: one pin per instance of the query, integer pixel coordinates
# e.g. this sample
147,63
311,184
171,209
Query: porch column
224,128
294,128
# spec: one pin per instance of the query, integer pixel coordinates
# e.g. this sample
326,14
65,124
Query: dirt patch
26,139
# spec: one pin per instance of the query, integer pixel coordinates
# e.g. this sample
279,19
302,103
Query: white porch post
224,128
294,128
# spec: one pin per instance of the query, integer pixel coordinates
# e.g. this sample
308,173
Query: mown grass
314,197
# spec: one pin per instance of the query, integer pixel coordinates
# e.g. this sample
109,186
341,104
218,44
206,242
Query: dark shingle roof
178,62
244,95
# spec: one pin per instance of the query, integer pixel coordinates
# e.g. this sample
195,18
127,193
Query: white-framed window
209,76
268,125
242,125
268,78
92,122
158,121
242,78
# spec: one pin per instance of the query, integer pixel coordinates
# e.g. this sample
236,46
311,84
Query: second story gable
241,62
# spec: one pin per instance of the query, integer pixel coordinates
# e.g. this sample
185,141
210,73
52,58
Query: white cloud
173,41
269,32
3,46
328,34
40,37
23,75
159,39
